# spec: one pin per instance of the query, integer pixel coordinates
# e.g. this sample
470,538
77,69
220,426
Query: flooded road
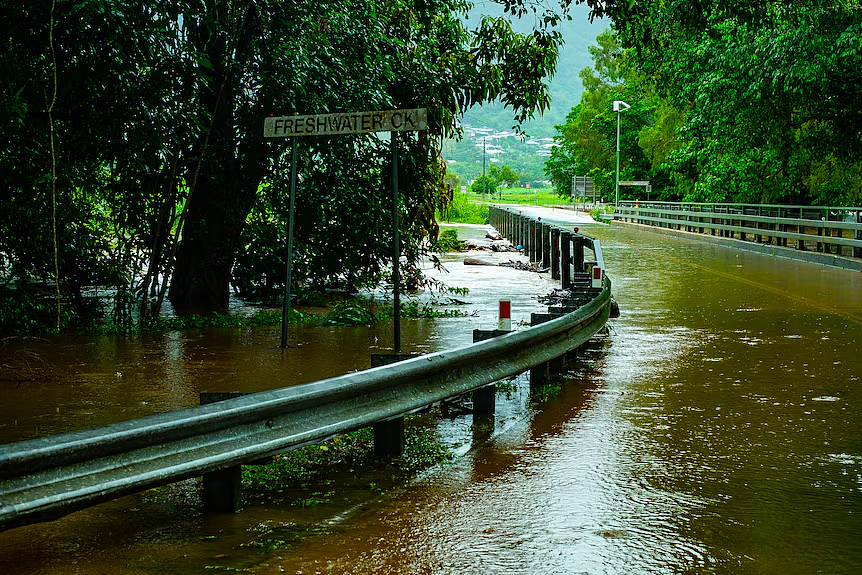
716,429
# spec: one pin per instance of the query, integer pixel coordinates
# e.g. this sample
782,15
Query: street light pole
619,107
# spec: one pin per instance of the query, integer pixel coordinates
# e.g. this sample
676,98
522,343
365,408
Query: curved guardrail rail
44,479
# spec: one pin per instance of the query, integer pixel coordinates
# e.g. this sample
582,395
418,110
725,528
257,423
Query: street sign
635,183
582,186
337,124
346,123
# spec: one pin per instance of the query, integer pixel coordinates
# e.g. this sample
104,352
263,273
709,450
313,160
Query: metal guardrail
559,249
830,230
47,478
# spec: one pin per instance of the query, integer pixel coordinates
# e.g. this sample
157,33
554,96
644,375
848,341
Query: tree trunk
201,279
220,203
224,184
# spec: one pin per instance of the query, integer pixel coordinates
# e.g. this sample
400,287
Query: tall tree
770,89
587,141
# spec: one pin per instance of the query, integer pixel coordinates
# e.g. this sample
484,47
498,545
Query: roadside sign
346,123
337,124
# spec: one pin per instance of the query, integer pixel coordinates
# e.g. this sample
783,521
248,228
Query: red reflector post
597,277
505,321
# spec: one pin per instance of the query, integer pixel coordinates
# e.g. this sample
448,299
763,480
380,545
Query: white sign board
346,123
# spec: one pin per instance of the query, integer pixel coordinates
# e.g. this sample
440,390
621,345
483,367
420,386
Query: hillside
493,123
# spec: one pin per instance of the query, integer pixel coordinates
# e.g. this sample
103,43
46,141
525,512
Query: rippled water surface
715,429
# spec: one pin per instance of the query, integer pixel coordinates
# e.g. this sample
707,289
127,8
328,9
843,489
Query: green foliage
598,213
506,386
448,242
164,185
270,536
23,312
534,196
356,311
350,454
362,311
588,139
451,180
484,185
260,317
412,309
743,102
543,394
463,211
504,175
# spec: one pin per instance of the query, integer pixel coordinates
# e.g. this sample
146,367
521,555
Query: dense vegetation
753,101
133,157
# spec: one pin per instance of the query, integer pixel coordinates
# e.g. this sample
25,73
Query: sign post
339,123
289,267
396,249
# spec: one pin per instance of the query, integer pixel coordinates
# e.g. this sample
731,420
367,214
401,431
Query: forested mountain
565,85
565,88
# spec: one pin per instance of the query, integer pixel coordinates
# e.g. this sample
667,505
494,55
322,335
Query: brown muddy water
715,429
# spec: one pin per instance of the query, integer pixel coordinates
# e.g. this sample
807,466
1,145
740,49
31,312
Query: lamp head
620,106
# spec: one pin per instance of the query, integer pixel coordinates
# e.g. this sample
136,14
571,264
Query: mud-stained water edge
715,428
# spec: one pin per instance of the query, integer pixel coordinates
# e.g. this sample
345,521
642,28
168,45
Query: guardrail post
538,249
522,233
539,375
389,437
546,245
484,400
222,488
565,259
555,253
557,365
578,255
534,240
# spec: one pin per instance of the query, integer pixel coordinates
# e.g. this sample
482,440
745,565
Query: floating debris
523,266
556,297
503,247
477,262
